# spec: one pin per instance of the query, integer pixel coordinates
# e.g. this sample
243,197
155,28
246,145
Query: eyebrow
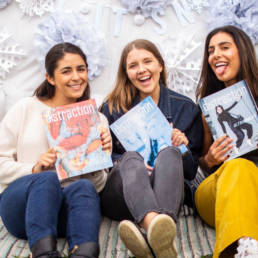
221,43
69,67
144,59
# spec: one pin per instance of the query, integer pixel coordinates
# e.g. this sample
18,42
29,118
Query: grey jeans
130,193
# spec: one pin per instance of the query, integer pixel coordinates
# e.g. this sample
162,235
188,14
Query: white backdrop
118,28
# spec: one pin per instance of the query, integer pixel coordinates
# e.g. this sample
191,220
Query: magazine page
233,111
74,132
143,129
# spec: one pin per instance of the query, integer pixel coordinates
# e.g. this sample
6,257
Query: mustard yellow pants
228,201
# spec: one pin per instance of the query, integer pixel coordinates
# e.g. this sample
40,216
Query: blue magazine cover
74,132
233,111
144,129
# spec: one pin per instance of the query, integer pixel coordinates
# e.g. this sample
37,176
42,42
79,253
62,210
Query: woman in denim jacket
152,202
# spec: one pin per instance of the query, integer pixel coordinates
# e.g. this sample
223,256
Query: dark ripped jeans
130,193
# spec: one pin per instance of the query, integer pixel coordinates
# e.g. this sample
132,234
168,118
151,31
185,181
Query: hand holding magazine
144,129
233,111
74,132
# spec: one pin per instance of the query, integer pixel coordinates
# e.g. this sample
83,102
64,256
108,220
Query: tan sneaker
133,239
161,236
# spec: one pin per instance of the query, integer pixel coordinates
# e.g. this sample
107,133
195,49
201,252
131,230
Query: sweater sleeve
10,168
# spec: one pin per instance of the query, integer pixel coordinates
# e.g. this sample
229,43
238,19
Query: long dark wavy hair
46,90
209,83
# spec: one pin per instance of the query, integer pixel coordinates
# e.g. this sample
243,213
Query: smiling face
143,70
70,79
224,58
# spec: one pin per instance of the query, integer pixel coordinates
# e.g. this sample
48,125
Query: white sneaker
235,150
134,240
161,236
248,247
248,141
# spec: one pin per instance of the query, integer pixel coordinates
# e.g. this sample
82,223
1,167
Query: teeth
220,64
144,78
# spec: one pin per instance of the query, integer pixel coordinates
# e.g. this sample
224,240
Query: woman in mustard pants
228,198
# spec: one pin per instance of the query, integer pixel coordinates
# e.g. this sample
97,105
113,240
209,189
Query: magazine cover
74,132
144,129
233,111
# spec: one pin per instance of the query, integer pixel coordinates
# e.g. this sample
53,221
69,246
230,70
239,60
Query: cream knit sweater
23,139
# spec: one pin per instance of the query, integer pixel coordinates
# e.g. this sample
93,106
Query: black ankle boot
85,250
45,248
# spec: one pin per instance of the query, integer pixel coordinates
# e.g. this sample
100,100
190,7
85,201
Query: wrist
204,164
207,162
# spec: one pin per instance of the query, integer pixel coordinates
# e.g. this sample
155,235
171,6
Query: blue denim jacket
185,116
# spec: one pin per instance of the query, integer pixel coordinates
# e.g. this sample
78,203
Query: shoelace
248,248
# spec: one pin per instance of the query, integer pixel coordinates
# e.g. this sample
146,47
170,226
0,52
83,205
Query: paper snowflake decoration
183,62
240,13
146,7
4,3
198,5
10,53
36,7
72,27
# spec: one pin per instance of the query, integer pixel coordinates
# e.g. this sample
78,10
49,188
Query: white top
23,139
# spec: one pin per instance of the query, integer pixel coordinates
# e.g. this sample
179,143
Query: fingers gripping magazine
144,129
74,132
233,111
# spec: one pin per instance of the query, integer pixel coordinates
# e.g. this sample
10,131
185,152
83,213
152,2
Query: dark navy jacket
185,116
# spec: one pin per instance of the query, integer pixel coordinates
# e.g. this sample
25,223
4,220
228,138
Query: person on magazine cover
34,205
143,202
227,199
235,123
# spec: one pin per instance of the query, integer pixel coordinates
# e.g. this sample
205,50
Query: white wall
27,75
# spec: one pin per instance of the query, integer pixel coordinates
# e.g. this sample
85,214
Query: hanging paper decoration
72,27
240,13
145,8
36,7
198,5
183,62
4,3
10,53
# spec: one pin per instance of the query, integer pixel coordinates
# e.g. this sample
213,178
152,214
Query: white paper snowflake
4,3
182,58
10,53
146,7
198,5
36,7
240,13
74,28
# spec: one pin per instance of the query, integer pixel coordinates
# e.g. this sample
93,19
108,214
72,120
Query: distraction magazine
233,111
74,132
144,129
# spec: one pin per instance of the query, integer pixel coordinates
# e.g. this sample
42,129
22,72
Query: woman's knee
131,155
169,153
238,167
81,187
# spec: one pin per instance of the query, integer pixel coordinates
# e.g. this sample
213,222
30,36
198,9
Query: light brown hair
124,91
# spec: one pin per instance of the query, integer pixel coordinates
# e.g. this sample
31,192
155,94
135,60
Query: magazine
144,129
74,132
233,111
